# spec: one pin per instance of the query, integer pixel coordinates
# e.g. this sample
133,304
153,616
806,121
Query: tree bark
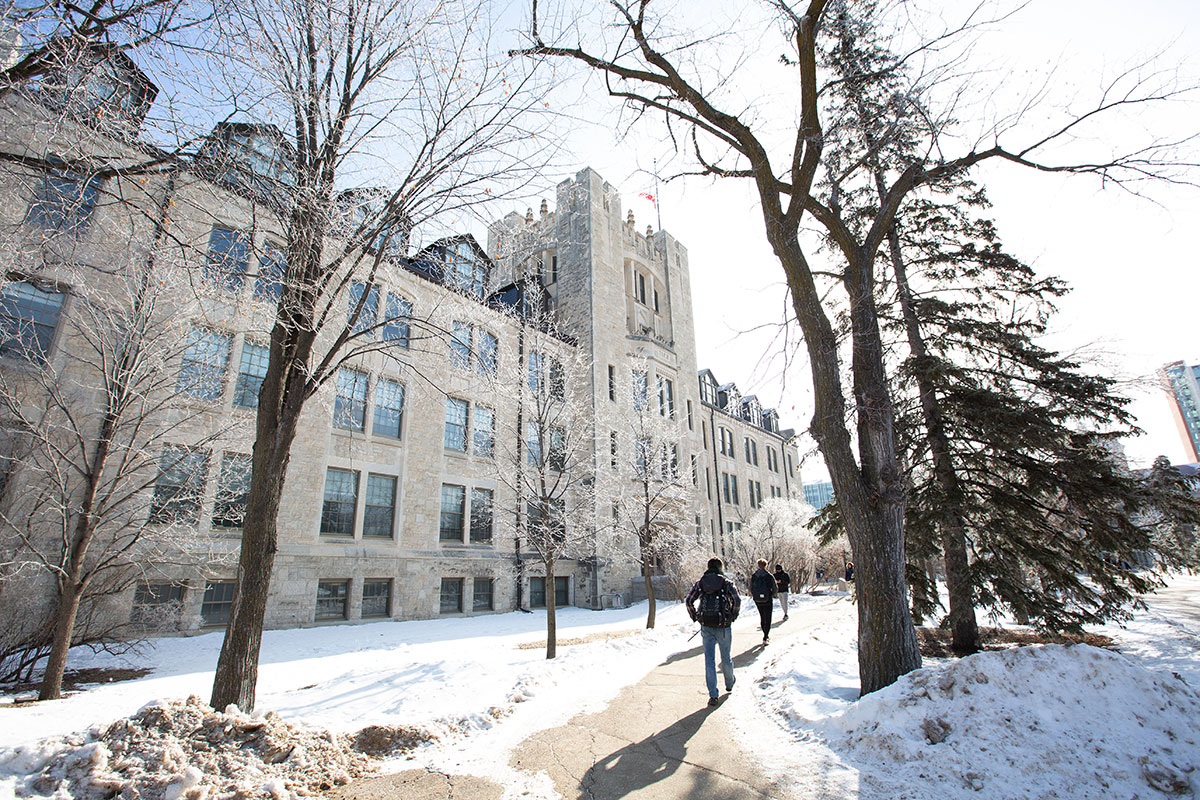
963,625
870,497
551,611
647,576
64,628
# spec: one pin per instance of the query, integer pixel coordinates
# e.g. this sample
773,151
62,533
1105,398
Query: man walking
782,582
719,605
762,589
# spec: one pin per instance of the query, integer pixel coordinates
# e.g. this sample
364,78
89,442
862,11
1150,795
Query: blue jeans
713,638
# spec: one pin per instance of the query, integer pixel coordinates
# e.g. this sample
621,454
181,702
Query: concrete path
657,739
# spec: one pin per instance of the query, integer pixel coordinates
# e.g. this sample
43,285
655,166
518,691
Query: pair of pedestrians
719,605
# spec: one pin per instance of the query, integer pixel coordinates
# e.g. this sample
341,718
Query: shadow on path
639,764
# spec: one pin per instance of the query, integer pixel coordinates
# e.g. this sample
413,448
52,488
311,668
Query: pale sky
1129,260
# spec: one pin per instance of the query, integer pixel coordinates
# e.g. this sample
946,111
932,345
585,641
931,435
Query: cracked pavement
657,739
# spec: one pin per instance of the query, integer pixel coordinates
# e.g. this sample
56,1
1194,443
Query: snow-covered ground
1037,722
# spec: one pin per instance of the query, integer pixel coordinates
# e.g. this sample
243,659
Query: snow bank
183,750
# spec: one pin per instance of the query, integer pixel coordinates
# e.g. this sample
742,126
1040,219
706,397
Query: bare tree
545,452
652,67
49,39
651,490
362,84
91,429
777,531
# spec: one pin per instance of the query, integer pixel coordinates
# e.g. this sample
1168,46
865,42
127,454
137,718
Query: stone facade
624,296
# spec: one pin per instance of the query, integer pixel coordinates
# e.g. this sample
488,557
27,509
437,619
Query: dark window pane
368,314
251,372
331,599
228,258
481,596
377,598
65,202
272,269
460,344
456,424
481,515
537,592
389,408
487,352
562,592
179,488
341,500
350,403
485,431
380,506
452,589
202,371
28,317
233,489
450,528
397,314
218,601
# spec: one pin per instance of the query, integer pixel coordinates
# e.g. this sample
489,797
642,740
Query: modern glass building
1182,380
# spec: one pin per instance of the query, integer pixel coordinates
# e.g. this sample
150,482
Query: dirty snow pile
183,750
1046,721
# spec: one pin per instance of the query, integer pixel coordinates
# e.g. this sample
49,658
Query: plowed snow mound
183,750
1008,724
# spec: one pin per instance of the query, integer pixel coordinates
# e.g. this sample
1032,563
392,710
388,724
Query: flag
649,197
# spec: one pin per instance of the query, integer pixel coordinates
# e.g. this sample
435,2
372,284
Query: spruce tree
1011,448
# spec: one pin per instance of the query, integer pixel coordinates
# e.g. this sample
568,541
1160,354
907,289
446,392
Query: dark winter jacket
782,581
729,590
762,586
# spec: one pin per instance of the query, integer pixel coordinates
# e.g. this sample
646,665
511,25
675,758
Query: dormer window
251,157
100,86
465,271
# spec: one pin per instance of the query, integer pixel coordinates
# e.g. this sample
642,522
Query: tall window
350,403
450,527
217,603
228,258
612,382
557,450
179,488
537,592
251,372
376,597
202,372
368,314
341,500
533,445
666,397
460,344
641,288
481,515
486,344
751,451
691,427
380,506
233,489
640,388
397,320
455,437
612,449
641,456
28,317
272,269
389,408
465,270
452,592
331,599
481,596
536,365
64,202
484,432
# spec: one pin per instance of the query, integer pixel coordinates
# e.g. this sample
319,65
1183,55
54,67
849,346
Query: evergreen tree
1011,448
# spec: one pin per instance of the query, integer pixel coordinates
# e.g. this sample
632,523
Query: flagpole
657,197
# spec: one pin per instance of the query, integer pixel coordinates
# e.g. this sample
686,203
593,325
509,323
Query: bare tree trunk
963,625
64,628
72,583
871,498
647,573
551,611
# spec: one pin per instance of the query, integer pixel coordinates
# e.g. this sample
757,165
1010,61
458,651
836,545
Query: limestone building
393,503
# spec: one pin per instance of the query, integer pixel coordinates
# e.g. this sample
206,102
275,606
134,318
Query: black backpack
715,609
762,586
